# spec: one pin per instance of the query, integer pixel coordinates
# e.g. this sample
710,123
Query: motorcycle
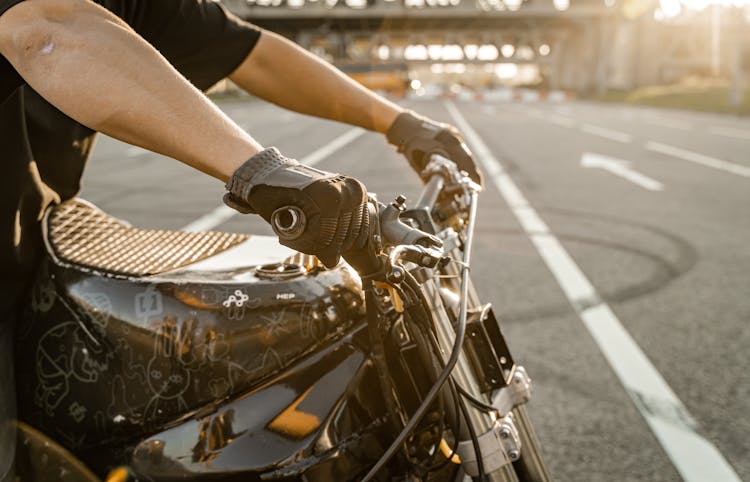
165,355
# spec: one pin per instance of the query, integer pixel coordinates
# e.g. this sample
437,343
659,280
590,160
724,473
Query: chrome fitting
516,393
499,446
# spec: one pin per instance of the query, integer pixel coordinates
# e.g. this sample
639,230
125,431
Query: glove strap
268,166
408,125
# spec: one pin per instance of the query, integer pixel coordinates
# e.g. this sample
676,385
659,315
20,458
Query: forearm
281,72
93,67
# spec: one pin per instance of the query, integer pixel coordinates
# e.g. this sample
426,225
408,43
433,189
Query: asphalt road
671,261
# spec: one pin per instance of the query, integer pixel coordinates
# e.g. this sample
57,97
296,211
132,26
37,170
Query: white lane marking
222,213
562,121
698,158
621,168
136,151
730,132
664,122
211,219
333,146
607,133
557,119
693,456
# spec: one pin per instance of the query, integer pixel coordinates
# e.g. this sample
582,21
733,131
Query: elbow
32,30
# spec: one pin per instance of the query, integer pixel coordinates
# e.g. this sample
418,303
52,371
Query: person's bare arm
96,69
281,72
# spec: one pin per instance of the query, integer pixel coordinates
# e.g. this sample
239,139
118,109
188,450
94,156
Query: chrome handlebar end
288,222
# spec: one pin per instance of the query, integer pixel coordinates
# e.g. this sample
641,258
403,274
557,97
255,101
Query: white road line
702,159
333,146
607,133
557,119
562,121
223,213
696,459
664,122
211,219
621,168
730,132
133,151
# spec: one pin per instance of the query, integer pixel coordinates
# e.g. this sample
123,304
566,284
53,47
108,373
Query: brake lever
387,230
395,232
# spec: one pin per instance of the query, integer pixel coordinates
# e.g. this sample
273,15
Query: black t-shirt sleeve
202,39
9,78
6,4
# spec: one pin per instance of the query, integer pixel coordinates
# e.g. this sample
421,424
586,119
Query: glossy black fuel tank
241,358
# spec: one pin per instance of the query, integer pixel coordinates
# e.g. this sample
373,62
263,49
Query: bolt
400,200
395,275
514,455
504,433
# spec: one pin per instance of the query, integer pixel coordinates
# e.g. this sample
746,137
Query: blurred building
577,45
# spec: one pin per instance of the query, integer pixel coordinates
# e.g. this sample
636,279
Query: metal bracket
516,393
499,446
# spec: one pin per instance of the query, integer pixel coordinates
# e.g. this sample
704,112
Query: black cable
428,361
440,465
429,398
413,285
424,334
455,387
460,331
473,435
473,400
377,352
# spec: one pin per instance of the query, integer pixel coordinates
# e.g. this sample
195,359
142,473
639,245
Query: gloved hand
418,138
335,206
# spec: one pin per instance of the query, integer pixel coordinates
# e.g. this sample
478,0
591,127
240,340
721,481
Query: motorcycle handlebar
289,222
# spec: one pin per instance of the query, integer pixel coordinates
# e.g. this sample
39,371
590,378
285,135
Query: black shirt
43,151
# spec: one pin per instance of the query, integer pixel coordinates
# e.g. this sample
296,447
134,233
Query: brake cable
455,351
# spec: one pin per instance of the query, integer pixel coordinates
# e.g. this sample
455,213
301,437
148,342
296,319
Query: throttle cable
452,360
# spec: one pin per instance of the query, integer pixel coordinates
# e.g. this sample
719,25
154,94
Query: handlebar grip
288,222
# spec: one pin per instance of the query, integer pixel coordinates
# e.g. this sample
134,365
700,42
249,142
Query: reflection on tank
116,368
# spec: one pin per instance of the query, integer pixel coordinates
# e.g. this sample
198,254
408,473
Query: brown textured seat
79,233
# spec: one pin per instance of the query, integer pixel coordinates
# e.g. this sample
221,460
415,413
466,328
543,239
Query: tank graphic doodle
235,305
167,374
98,307
109,361
148,304
43,294
66,352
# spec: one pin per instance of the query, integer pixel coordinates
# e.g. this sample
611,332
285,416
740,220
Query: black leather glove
418,138
334,206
